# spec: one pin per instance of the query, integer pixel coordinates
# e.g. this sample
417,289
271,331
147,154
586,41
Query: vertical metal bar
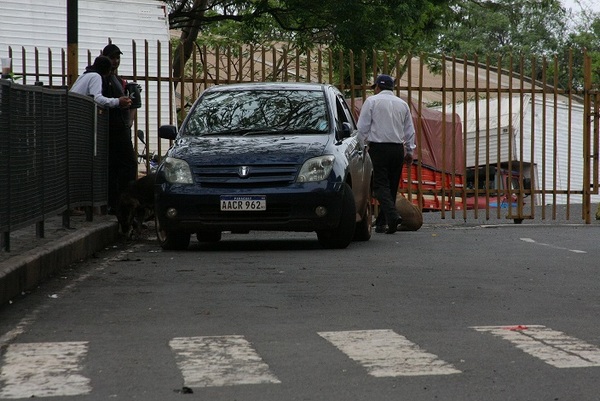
24,65
595,139
487,137
409,96
72,41
159,80
532,144
341,71
555,180
351,70
229,64
284,64
309,67
320,65
239,66
500,128
477,128
556,134
50,67
510,126
252,63
274,65
298,65
464,118
264,63
444,137
419,132
586,196
330,66
544,142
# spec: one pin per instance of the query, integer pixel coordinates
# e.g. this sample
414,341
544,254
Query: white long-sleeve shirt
385,118
91,84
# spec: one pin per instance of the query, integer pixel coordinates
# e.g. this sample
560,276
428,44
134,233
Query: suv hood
208,150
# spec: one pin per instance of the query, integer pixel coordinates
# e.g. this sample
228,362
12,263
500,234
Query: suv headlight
316,169
177,171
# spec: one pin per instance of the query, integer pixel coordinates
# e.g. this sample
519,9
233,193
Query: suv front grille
278,175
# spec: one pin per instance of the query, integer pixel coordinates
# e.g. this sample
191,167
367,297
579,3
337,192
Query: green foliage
522,35
529,37
394,26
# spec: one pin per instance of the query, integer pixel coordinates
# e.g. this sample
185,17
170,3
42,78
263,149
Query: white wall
559,159
42,24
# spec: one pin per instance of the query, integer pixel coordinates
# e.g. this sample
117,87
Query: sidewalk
31,259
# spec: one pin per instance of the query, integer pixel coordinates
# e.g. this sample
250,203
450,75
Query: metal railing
53,156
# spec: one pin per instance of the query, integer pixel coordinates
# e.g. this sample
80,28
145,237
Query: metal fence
53,156
527,148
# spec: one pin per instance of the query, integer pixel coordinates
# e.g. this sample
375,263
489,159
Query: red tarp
430,135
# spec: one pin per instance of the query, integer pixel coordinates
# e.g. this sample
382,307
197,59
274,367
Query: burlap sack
412,218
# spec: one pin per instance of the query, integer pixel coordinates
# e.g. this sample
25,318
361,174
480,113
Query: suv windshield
258,112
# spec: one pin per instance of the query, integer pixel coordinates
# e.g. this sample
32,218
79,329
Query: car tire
364,227
171,240
208,236
341,236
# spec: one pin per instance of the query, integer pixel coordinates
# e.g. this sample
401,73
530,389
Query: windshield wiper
232,132
303,131
242,132
262,131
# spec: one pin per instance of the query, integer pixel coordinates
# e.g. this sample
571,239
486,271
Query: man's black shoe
380,229
393,226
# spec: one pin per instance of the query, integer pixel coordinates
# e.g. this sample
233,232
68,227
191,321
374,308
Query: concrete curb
26,271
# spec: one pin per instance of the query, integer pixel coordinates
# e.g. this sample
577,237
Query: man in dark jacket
122,161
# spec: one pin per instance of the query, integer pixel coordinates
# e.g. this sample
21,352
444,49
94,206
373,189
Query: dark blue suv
265,156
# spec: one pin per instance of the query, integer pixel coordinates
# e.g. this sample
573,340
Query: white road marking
532,241
385,353
43,370
552,347
220,361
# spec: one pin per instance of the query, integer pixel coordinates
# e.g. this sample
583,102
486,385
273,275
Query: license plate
234,203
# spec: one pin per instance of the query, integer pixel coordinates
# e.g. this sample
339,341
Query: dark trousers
122,169
388,159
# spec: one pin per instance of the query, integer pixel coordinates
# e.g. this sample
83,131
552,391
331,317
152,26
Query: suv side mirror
167,132
346,130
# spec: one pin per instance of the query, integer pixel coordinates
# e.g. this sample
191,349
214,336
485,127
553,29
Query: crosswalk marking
43,370
385,353
55,369
551,346
219,361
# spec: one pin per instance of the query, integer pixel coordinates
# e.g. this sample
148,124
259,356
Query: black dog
136,205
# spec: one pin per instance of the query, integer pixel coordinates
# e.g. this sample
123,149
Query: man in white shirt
90,84
385,125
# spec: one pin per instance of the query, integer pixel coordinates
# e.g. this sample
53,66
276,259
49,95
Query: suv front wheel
171,240
341,236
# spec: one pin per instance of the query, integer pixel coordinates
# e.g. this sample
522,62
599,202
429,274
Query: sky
594,5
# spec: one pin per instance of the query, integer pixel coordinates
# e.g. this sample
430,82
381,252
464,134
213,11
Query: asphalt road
450,312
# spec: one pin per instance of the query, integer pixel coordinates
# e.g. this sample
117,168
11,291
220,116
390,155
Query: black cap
111,49
384,82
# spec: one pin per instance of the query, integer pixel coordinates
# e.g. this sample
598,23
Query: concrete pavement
31,259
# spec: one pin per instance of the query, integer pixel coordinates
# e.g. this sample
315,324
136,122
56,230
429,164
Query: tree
403,26
585,37
520,30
